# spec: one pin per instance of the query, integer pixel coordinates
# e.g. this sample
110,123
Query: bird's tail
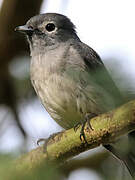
129,161
125,153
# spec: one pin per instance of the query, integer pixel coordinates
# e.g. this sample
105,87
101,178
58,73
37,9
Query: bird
70,78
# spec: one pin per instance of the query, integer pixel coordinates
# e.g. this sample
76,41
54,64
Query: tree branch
106,128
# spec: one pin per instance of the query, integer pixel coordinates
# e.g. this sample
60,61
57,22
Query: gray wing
96,68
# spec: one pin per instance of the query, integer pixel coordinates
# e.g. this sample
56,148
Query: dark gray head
48,29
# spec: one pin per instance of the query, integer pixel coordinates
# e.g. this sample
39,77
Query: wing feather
97,70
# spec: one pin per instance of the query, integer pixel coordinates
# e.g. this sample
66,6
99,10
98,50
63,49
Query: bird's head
48,29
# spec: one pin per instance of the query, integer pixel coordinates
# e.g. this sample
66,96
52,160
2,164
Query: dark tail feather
129,157
129,161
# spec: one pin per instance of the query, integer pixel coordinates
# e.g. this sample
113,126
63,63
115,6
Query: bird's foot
82,123
45,141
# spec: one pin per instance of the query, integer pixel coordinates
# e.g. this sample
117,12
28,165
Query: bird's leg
82,123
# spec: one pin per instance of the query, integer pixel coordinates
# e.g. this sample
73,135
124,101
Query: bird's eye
50,27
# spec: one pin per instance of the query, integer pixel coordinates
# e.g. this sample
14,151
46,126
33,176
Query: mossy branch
106,129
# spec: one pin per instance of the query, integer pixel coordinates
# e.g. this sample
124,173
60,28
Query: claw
41,140
46,141
82,134
44,145
82,137
89,125
82,123
77,126
88,117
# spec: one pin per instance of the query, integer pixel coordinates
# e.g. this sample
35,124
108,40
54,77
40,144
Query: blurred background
106,26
